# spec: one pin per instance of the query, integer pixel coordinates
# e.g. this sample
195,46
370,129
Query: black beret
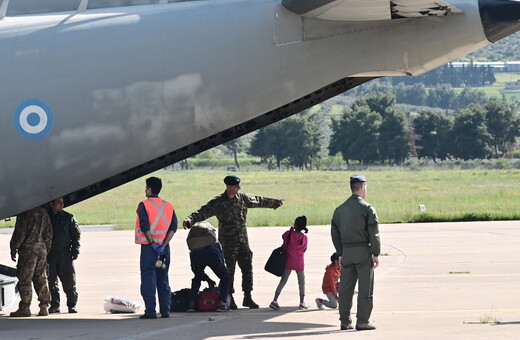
232,180
357,179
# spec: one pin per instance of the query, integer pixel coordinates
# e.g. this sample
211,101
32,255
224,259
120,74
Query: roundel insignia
33,119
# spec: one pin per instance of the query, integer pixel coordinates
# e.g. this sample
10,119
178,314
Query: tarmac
435,281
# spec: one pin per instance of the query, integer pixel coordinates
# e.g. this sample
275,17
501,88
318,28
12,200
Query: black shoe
72,310
365,327
346,327
222,308
248,302
54,309
165,316
144,316
232,304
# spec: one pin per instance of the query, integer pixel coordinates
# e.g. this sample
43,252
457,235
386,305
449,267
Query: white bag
118,305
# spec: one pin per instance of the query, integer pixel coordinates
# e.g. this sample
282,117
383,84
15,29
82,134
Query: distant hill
507,49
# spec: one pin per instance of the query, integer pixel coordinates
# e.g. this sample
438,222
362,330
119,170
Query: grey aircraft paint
93,98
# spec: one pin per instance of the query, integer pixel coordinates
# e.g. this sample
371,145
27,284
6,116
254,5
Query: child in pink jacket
295,244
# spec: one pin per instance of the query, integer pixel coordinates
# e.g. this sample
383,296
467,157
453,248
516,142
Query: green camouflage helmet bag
202,234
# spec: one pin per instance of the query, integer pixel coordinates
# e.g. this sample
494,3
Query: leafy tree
235,146
442,96
355,134
302,140
433,132
269,143
470,137
470,96
503,124
295,139
394,136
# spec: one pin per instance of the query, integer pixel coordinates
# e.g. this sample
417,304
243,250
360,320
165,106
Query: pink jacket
295,249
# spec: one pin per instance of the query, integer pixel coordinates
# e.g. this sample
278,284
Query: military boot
21,312
248,301
232,304
43,311
365,326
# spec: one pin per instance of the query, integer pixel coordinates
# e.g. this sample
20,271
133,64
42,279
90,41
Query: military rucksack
202,234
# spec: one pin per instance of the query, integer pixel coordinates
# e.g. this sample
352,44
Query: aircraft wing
368,10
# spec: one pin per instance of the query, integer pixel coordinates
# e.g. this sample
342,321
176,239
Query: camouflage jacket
32,232
232,212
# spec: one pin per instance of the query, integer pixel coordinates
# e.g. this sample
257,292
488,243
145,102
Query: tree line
441,96
374,130
467,75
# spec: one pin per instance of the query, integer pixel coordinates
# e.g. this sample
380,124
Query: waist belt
356,244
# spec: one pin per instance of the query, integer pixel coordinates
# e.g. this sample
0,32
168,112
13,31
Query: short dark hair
155,184
356,186
300,224
334,257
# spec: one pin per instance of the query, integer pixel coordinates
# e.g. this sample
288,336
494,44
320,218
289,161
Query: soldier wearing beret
230,208
355,234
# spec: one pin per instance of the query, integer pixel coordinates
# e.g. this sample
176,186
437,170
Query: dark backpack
202,234
180,300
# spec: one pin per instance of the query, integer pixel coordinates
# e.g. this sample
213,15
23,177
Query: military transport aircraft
95,93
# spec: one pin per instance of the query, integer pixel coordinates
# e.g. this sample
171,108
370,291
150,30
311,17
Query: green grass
449,195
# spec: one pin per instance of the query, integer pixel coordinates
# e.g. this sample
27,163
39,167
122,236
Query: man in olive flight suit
32,238
355,234
63,253
230,208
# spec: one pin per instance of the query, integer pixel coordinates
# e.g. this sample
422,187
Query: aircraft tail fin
363,10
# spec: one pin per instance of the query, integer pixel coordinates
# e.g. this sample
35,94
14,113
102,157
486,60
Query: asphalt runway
435,281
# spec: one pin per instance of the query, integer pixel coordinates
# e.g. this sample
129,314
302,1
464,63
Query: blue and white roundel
33,119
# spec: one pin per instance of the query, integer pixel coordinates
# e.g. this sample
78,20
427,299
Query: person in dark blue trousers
155,226
213,257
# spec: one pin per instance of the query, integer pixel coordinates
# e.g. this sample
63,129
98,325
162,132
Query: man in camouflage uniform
230,208
355,234
63,253
32,238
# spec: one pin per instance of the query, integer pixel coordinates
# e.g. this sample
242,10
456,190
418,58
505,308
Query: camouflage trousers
236,251
32,268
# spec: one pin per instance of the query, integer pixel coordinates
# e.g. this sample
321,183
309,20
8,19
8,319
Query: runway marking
452,275
448,311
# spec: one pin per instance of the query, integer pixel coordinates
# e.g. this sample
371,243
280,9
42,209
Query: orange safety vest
160,215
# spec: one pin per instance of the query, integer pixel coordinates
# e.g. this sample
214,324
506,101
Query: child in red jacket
330,284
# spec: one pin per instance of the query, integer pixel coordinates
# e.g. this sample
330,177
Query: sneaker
346,327
274,305
222,308
165,316
303,306
146,317
73,310
54,309
319,304
365,327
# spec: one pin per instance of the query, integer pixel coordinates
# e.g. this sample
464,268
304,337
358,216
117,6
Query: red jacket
331,280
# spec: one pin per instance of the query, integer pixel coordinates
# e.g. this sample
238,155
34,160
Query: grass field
447,194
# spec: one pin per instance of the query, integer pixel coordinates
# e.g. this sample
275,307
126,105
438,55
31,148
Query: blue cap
357,179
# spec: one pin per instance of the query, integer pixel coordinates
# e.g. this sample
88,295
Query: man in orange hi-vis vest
155,226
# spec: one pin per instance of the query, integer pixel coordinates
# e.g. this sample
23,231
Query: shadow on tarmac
238,324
